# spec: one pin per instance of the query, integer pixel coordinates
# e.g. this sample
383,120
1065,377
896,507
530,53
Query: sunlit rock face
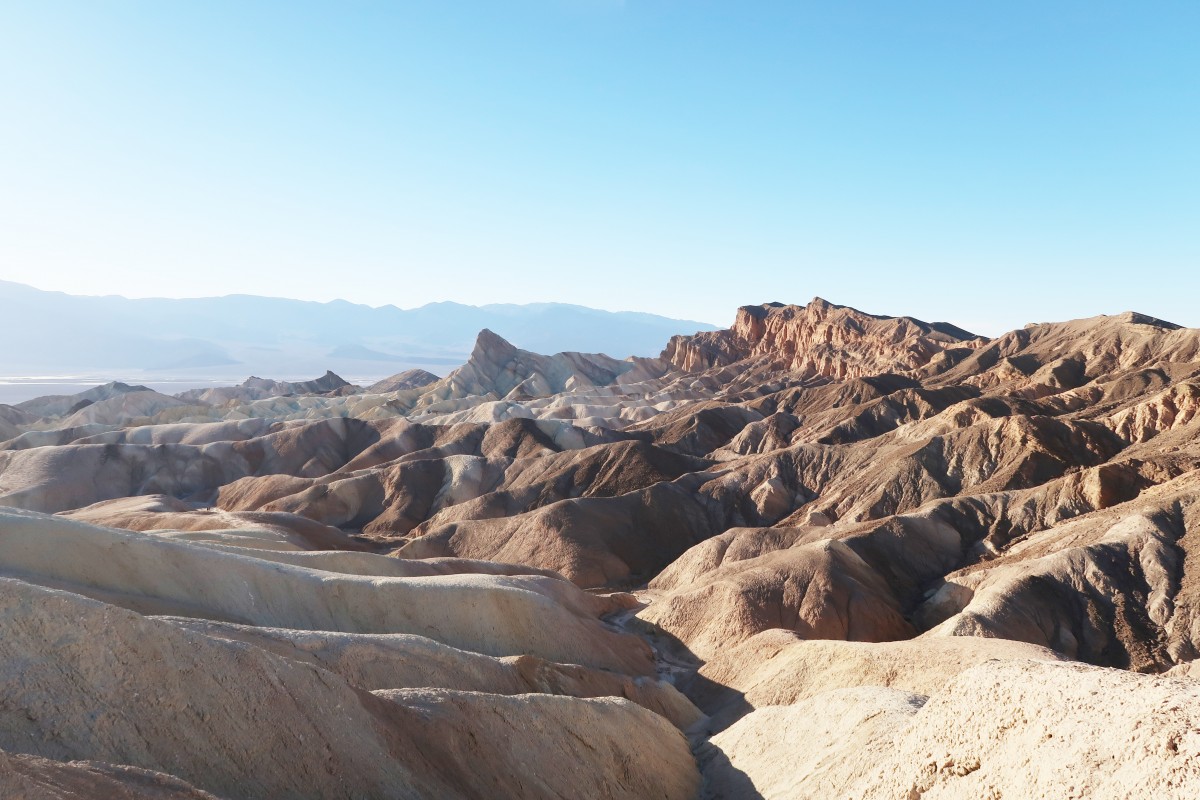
822,553
820,339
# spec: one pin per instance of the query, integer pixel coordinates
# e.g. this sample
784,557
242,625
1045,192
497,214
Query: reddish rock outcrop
820,339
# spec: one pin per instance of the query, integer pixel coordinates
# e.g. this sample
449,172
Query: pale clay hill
821,554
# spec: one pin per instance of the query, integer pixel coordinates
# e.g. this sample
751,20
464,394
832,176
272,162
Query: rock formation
255,388
409,379
822,339
847,555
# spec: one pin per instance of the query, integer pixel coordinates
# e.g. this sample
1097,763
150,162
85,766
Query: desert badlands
820,554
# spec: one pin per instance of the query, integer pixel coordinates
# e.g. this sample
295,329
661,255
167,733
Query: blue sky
990,164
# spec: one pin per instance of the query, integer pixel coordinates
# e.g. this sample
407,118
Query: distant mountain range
237,335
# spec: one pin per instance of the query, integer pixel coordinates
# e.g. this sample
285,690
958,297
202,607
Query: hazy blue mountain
56,333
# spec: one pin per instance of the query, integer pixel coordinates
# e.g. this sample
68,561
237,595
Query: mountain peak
329,382
490,345
1136,318
820,339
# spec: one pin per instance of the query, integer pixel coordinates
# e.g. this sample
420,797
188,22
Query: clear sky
990,164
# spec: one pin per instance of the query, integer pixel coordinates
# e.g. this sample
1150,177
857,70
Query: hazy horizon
222,295
237,335
990,333
989,166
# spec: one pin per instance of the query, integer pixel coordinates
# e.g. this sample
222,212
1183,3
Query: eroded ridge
822,553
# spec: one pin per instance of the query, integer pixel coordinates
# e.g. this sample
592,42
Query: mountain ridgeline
819,554
240,334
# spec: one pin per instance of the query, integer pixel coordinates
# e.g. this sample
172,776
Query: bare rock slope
849,555
239,718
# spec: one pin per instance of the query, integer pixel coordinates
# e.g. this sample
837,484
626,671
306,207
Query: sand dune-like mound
34,778
249,529
999,729
62,478
495,614
233,719
850,555
255,388
593,541
783,668
60,405
406,661
408,379
420,494
122,409
823,590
